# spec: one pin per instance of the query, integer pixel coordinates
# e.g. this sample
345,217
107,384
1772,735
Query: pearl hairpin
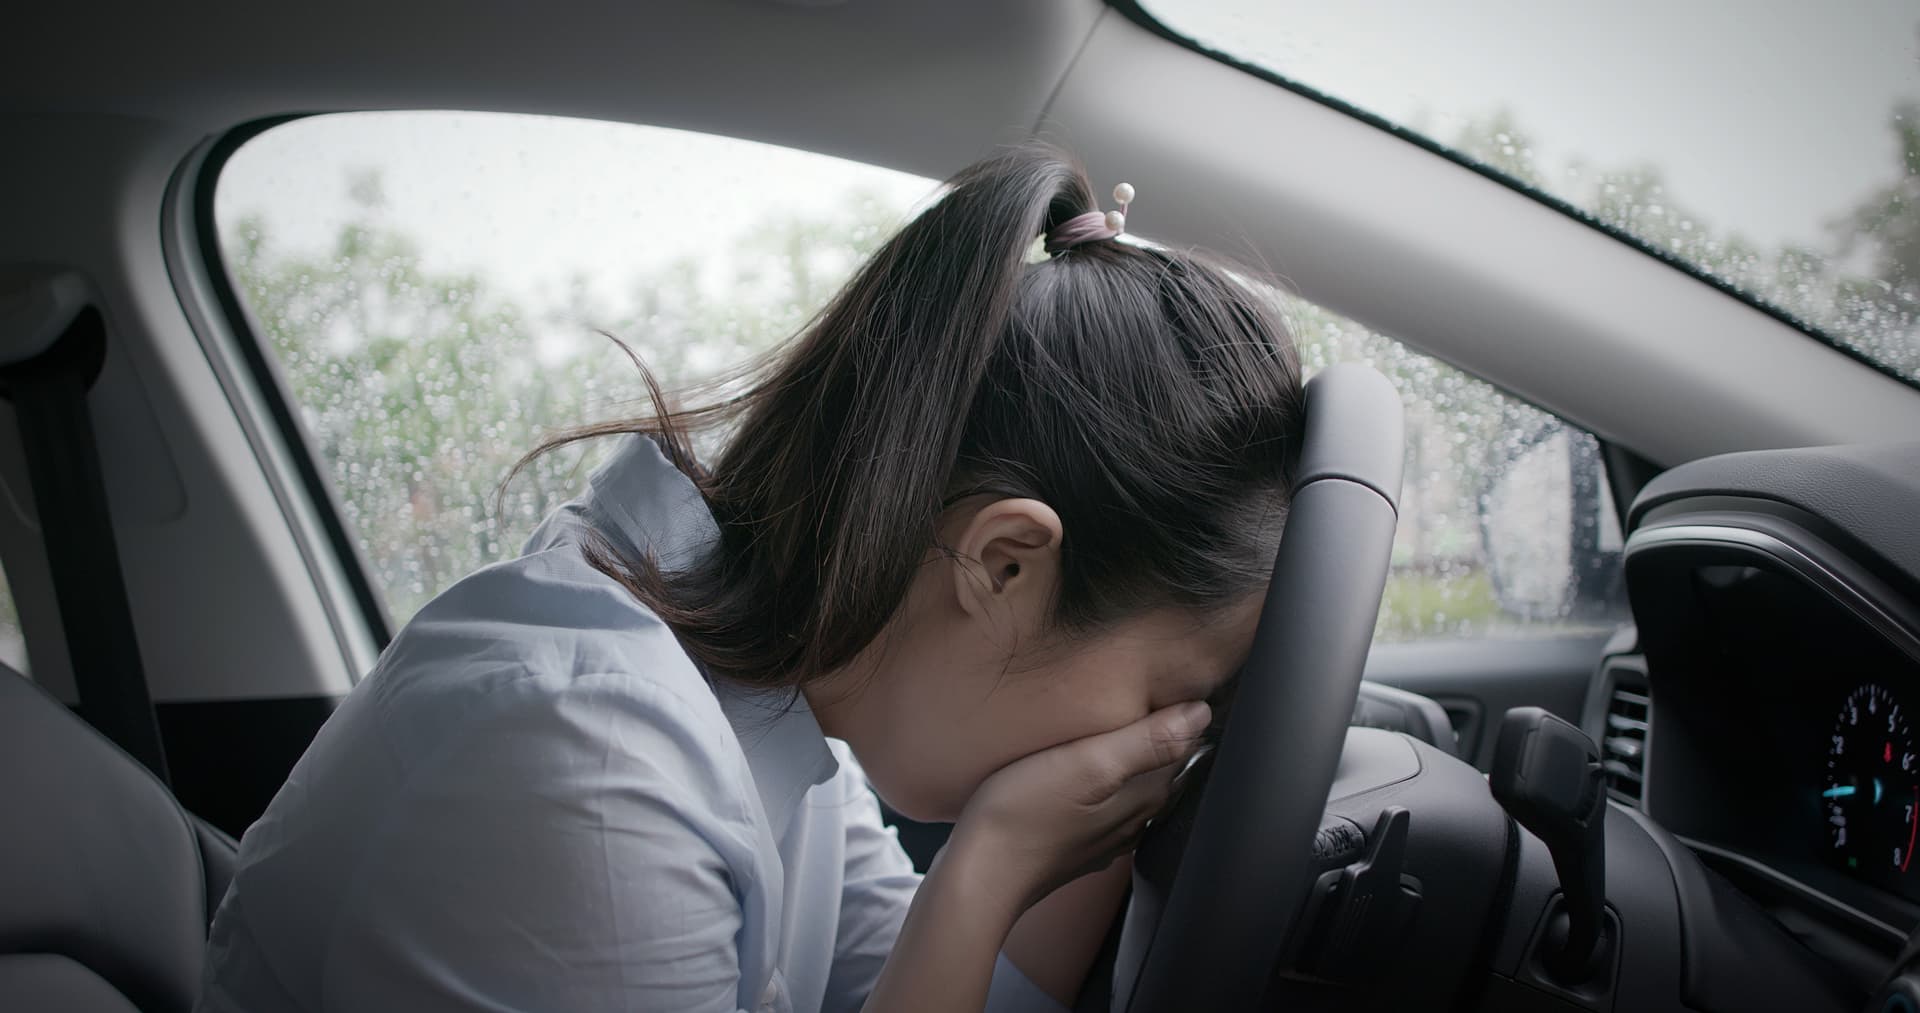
1123,196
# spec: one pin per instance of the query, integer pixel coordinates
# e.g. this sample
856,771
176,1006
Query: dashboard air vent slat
1625,744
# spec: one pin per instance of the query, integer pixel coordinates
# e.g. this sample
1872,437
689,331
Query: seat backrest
104,892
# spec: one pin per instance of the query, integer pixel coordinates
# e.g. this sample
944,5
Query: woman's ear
1009,562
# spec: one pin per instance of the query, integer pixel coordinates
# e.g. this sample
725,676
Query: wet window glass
1507,526
1773,146
13,643
440,291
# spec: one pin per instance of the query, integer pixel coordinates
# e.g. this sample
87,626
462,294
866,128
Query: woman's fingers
1126,812
1143,795
1147,790
1072,808
1165,737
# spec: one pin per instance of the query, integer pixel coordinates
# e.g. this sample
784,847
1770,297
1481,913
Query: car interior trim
218,319
1801,561
1821,898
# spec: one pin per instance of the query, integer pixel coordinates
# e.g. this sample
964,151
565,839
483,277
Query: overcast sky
531,200
1768,118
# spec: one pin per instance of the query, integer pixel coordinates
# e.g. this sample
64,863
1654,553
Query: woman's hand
1032,827
1052,817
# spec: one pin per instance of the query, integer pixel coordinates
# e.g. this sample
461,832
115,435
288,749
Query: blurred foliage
1461,433
421,387
1862,289
1418,604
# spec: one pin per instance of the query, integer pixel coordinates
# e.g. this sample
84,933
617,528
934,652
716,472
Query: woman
996,527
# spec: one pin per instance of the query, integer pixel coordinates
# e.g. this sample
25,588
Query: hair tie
1092,226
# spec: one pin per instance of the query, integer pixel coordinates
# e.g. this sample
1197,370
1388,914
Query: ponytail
847,448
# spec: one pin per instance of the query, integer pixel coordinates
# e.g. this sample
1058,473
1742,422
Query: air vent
1625,742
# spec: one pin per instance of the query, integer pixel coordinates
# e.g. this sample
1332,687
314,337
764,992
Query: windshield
1774,146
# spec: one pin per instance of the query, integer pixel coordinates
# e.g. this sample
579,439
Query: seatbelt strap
49,395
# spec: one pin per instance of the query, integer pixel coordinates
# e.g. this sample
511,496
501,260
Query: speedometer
1872,793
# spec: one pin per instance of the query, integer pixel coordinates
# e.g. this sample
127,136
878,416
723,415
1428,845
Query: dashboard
1770,716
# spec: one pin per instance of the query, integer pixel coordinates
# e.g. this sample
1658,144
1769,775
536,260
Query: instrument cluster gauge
1871,796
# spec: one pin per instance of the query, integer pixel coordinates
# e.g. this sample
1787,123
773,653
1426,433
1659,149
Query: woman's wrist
977,871
959,919
1057,940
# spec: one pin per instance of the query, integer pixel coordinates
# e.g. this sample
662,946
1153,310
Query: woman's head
983,505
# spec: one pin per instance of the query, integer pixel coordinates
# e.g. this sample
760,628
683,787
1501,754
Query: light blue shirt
536,802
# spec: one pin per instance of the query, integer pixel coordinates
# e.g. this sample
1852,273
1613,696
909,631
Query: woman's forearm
1021,839
944,956
1055,942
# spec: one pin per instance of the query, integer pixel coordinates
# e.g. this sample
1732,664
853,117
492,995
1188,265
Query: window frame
274,391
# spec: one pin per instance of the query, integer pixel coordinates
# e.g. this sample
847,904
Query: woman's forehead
1196,654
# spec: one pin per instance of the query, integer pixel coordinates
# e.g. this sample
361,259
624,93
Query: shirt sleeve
877,887
567,854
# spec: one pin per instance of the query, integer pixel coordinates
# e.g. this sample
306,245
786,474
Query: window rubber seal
272,385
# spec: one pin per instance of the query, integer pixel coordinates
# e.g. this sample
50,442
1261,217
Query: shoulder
546,645
535,730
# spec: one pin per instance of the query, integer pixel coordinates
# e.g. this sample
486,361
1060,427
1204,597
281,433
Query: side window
1507,526
434,288
434,285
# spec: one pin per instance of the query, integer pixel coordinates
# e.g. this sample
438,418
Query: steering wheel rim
1209,938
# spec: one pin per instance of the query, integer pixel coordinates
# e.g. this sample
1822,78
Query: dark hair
1151,397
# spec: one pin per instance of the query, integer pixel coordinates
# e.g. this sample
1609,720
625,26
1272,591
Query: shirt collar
786,750
639,501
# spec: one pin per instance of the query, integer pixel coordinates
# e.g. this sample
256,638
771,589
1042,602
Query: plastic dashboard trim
1842,590
1870,606
1785,881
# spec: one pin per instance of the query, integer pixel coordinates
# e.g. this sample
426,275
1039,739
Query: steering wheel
1202,930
